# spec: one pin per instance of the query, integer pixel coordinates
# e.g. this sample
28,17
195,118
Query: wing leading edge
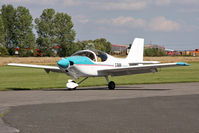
46,68
138,69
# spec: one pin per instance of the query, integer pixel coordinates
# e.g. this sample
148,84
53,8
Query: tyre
111,85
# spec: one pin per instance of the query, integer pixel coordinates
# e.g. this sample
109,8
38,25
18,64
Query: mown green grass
16,78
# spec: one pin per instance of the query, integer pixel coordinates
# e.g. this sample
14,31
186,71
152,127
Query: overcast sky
170,23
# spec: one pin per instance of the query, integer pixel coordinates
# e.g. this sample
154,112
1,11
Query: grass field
15,78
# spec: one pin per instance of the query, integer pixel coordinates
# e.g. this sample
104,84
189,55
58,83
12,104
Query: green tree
24,36
83,44
55,28
65,34
103,45
154,52
1,31
3,51
100,44
17,29
45,27
8,16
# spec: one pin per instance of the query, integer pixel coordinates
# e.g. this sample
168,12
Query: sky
173,24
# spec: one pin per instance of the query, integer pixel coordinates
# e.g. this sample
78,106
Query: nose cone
64,63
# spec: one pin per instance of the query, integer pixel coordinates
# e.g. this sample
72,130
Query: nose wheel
72,85
111,84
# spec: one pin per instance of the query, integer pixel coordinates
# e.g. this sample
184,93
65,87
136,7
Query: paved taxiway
134,108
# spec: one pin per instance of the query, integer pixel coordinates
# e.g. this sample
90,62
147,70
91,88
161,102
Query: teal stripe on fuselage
80,60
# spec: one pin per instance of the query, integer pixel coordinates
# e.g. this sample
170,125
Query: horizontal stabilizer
182,64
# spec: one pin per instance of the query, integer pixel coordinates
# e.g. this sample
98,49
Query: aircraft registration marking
118,65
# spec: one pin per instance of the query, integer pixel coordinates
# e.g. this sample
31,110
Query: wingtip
9,64
182,64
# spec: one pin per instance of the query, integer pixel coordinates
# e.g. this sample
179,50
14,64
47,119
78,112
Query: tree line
52,28
154,52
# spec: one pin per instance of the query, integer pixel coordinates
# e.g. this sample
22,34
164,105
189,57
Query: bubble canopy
94,55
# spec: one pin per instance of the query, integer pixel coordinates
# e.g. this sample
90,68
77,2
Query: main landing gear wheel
111,85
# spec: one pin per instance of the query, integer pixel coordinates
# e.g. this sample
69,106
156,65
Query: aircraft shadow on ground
123,88
18,89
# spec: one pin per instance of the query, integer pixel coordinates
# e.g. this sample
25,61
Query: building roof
115,47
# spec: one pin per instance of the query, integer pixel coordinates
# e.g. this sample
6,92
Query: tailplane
136,51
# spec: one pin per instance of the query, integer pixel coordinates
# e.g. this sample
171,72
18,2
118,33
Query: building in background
172,52
119,49
190,52
154,46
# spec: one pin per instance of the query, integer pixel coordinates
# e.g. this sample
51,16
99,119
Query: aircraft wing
138,69
46,68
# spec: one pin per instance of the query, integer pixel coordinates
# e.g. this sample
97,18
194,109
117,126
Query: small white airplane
94,63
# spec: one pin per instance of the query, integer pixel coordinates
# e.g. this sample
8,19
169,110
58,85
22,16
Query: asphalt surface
159,108
177,114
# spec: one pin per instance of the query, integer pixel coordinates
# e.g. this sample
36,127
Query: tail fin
136,51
